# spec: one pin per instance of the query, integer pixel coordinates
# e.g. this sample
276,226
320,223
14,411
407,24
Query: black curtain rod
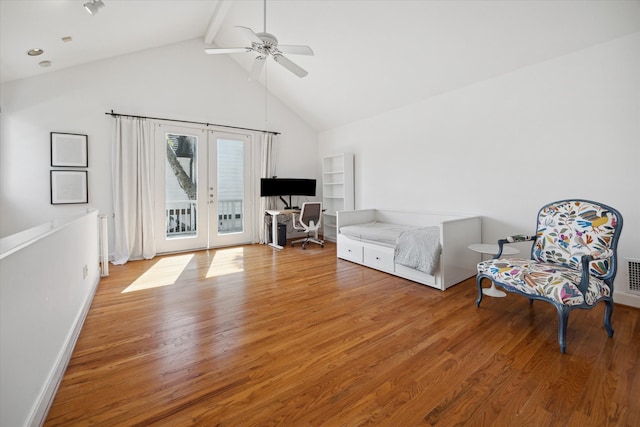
187,121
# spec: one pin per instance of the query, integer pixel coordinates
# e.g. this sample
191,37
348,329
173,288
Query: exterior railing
181,217
229,216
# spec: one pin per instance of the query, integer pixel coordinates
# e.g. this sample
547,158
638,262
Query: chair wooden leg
479,282
608,311
563,319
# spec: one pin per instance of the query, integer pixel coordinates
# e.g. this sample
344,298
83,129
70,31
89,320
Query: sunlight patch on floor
163,273
226,261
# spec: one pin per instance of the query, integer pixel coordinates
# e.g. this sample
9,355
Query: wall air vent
634,275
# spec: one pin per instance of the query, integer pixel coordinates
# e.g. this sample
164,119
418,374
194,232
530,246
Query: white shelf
338,191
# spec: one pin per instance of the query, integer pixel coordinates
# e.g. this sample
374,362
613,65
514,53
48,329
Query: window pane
230,186
181,186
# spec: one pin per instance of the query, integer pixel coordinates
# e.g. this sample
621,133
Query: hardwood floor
250,336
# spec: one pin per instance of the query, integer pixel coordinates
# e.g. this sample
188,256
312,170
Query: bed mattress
376,232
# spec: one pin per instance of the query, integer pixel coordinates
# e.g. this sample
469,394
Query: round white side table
485,248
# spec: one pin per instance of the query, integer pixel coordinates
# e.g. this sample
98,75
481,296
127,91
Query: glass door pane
181,182
230,167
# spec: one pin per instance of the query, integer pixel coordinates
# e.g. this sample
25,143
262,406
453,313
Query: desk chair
309,221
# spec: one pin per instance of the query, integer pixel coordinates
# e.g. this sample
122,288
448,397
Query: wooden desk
274,224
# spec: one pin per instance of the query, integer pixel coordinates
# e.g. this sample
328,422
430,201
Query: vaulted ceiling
370,56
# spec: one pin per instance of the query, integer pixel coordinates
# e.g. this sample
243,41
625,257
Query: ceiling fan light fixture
94,6
265,45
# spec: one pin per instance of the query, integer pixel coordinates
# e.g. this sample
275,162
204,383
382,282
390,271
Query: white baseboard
625,298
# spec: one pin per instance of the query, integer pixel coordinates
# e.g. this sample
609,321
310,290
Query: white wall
177,81
565,128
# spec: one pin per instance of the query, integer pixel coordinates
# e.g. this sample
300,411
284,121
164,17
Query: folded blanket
419,249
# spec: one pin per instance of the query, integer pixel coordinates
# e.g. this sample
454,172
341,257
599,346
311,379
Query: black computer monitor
287,187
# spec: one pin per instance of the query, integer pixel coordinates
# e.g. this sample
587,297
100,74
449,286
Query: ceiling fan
265,45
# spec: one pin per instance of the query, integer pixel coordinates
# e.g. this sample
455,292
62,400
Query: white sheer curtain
132,167
267,169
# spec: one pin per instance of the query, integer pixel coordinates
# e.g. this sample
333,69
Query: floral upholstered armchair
573,261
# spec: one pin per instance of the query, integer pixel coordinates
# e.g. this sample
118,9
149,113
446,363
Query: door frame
206,213
248,203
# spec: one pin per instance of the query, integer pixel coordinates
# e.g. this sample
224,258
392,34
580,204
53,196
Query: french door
229,192
203,188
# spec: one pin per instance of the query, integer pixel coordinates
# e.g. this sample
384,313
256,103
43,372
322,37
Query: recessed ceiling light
35,52
45,64
67,39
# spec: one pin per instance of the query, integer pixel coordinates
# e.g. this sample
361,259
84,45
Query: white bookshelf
337,190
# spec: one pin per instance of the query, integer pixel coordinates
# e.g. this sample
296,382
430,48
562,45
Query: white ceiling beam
217,18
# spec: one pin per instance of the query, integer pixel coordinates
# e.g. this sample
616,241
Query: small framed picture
69,150
69,187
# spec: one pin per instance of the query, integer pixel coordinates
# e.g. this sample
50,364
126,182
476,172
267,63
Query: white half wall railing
48,277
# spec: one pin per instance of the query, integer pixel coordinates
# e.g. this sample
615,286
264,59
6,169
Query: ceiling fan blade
213,51
295,49
289,65
248,32
256,68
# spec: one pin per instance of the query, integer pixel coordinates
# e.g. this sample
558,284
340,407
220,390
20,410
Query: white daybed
369,237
